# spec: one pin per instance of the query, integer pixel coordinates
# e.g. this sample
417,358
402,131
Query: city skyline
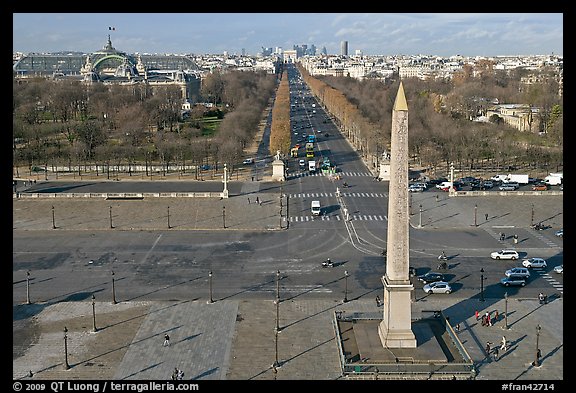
441,34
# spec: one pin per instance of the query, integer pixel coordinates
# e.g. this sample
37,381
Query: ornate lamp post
113,290
66,365
506,310
420,221
475,215
482,284
94,313
111,226
210,286
537,360
53,219
28,287
345,286
169,218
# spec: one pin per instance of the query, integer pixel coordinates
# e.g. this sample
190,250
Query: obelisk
395,330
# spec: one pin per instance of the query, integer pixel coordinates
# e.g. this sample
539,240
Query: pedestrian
257,200
496,316
486,216
252,178
175,373
377,301
180,375
488,343
457,327
503,345
495,353
515,239
260,203
476,314
248,200
166,341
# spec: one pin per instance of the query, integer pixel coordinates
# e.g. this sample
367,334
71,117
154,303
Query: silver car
534,262
513,281
437,287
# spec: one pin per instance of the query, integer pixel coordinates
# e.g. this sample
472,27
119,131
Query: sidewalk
235,340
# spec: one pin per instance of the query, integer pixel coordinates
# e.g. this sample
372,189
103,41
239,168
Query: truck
315,208
312,166
516,178
554,179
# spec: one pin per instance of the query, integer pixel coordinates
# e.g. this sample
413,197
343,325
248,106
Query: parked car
534,262
518,271
486,184
540,187
513,281
437,287
302,162
431,277
559,269
248,161
505,254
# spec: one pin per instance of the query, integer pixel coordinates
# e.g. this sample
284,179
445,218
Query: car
509,187
302,162
540,187
513,281
248,161
437,287
560,233
518,271
431,277
559,269
417,187
486,184
505,254
534,262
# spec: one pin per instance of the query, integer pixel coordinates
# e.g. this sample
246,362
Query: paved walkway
235,340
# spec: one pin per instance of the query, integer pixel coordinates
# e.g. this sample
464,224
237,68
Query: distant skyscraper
344,48
324,51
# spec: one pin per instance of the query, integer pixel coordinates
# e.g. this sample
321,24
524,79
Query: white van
316,209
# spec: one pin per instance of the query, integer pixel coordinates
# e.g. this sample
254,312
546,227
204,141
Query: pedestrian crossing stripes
551,280
354,217
545,239
303,174
342,194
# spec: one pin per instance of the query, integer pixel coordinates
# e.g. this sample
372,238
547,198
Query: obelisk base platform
395,330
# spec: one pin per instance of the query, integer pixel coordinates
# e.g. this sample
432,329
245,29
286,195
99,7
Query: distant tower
395,330
344,48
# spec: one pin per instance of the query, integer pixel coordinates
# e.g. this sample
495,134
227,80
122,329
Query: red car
540,187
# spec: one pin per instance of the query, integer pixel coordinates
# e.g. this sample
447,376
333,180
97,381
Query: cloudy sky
443,34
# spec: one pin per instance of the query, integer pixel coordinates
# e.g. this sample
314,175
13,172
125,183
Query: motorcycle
539,226
442,257
345,185
442,266
328,263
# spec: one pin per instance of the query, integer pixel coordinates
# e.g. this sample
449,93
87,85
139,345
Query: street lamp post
277,285
111,226
345,286
113,289
224,216
482,284
532,216
66,365
537,360
210,286
28,287
94,313
475,215
169,218
53,219
505,310
420,221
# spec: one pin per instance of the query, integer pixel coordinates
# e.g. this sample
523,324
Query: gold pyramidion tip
400,103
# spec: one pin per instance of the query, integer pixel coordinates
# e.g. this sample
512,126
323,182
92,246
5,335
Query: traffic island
439,354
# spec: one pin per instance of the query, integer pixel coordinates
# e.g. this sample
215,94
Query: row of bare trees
69,124
280,127
440,130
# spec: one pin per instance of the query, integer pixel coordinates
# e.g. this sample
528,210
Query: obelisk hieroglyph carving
395,330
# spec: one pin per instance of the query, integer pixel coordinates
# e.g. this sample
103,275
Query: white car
302,163
248,161
534,262
505,254
559,269
437,287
